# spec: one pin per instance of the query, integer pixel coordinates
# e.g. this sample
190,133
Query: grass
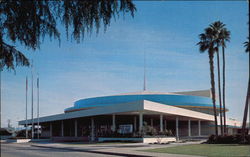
209,150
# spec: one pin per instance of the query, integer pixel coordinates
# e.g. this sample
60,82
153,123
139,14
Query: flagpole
38,106
144,79
32,100
26,116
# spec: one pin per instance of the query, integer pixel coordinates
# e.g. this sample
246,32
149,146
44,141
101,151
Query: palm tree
217,27
221,35
247,45
224,36
207,43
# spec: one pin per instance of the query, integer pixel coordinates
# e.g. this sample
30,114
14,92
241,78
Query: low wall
69,139
107,139
141,140
26,140
18,140
40,140
159,140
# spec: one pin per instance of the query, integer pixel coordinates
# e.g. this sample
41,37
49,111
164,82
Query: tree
29,22
207,43
247,50
224,36
220,35
216,29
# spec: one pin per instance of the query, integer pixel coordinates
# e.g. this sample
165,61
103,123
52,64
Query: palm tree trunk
248,61
219,88
245,112
224,89
247,103
211,63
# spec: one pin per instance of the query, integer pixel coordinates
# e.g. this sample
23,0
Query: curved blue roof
168,99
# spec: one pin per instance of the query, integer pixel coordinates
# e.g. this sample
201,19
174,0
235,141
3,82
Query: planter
141,140
18,140
159,140
69,139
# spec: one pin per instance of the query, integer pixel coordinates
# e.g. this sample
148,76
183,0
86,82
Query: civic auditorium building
140,117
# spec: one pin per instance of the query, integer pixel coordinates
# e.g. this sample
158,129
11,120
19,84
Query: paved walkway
131,149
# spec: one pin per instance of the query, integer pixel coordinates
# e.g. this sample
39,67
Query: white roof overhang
131,107
104,110
177,111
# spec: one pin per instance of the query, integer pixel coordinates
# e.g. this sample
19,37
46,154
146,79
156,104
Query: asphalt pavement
82,150
26,150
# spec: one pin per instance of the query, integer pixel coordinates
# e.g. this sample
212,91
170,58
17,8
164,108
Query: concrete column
161,123
135,124
165,124
152,122
199,128
113,123
189,128
177,128
75,127
62,128
41,130
92,129
51,131
140,121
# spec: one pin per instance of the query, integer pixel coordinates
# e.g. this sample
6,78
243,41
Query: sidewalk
130,149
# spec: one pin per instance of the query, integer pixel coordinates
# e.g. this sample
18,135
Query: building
135,116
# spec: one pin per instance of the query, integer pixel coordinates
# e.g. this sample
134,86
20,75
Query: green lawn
209,150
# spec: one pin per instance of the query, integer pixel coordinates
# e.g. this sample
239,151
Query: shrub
228,139
211,139
248,139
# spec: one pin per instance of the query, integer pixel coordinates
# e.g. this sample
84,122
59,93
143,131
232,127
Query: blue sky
112,61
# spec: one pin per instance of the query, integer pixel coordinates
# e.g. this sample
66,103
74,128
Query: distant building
131,115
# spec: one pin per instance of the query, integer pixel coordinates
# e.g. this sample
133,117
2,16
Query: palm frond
247,46
224,36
